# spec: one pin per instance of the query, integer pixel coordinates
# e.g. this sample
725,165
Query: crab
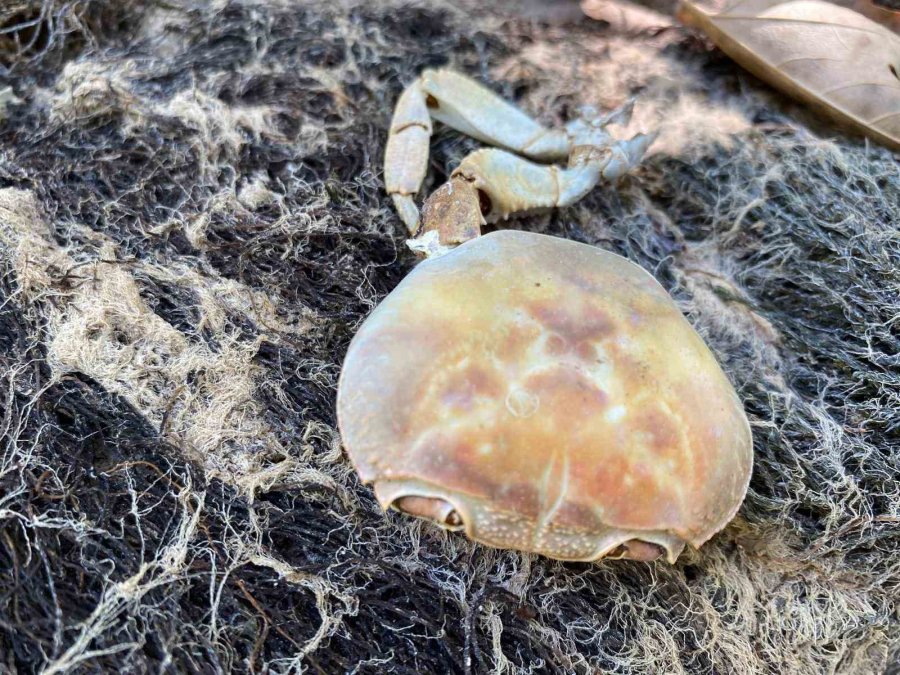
535,393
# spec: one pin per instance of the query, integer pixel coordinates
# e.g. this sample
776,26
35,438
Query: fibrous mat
192,226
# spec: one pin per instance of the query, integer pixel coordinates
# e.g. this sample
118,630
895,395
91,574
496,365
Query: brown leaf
625,16
827,56
880,12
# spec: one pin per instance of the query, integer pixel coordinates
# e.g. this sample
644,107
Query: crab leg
490,185
471,108
467,106
406,156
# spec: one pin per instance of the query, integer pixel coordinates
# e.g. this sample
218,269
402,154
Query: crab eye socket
484,202
432,508
636,549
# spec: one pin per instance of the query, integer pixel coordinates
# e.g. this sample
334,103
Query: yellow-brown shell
552,394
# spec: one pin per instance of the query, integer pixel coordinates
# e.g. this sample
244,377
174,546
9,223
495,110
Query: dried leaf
625,16
880,13
827,56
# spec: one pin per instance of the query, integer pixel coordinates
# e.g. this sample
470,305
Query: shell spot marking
575,325
586,351
454,461
555,346
609,479
568,393
659,434
522,403
464,387
573,516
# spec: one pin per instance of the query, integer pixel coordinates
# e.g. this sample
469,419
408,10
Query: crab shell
547,396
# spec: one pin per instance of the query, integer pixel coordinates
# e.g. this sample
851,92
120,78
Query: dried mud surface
192,225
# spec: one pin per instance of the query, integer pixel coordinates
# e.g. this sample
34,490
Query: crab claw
626,154
621,115
408,211
589,128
